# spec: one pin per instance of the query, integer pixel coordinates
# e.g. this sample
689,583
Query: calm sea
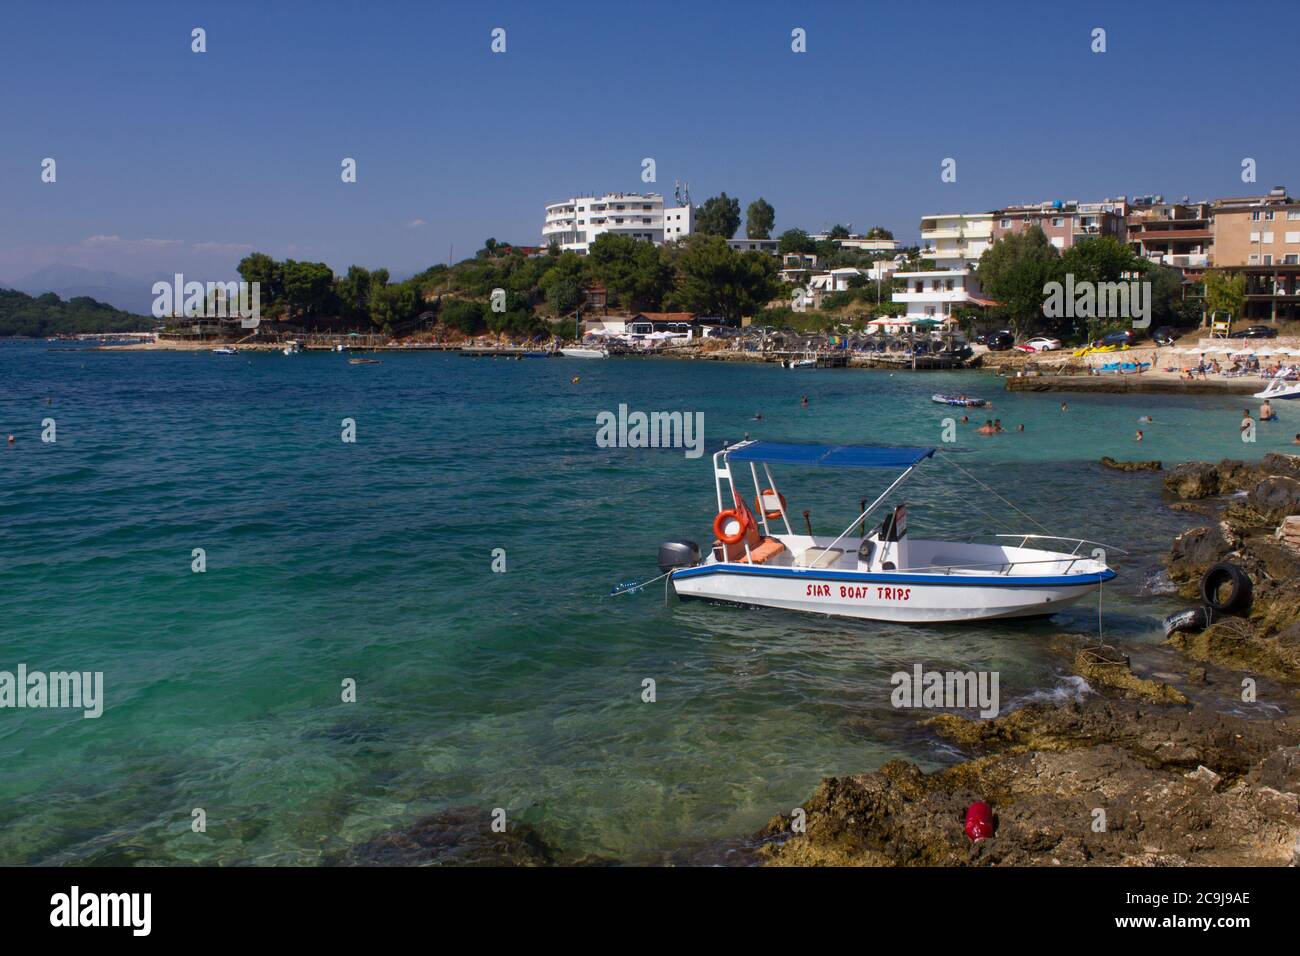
372,561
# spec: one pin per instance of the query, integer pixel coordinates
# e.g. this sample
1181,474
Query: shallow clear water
520,690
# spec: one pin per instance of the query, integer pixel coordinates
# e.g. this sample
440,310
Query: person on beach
986,429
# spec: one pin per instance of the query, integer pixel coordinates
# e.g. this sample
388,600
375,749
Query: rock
1205,775
1111,670
1193,480
1198,675
1194,551
1109,462
1275,497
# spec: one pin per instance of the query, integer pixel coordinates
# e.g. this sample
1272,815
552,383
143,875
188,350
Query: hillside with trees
45,315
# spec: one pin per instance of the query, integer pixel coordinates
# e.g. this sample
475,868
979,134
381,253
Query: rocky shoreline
1201,770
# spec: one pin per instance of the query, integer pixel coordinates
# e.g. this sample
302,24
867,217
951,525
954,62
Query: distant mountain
69,282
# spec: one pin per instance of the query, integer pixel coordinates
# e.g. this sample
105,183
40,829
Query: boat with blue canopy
758,559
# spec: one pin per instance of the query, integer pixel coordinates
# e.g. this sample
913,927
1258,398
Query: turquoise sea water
521,690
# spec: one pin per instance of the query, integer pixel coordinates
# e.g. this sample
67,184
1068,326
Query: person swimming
1138,437
987,428
1266,413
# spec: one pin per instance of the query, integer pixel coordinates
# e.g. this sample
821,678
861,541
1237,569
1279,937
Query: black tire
1239,594
1192,621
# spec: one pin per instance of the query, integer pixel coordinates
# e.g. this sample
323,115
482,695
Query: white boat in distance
585,353
1280,387
226,350
882,576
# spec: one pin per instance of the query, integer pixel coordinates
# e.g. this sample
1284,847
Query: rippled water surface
372,561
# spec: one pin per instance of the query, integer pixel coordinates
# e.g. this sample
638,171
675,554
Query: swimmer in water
804,401
1138,437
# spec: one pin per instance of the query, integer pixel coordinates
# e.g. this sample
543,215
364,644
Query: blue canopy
837,456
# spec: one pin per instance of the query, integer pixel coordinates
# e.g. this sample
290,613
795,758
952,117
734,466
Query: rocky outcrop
1110,783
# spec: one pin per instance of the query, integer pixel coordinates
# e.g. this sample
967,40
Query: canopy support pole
872,507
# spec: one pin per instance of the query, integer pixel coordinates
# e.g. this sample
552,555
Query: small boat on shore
365,361
884,575
805,362
585,353
962,401
1280,387
292,348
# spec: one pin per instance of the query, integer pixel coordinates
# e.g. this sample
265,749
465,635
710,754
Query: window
1293,237
1291,260
1252,259
1293,214
1254,216
1268,260
1268,237
1254,237
1058,222
1268,215
1005,224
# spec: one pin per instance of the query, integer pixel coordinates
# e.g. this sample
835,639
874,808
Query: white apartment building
957,240
575,223
937,295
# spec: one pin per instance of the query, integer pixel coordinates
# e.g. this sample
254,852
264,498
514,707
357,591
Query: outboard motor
678,554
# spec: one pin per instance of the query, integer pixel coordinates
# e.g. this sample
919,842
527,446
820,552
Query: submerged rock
1109,462
461,836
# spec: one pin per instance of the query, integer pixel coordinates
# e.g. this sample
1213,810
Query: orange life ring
770,515
720,526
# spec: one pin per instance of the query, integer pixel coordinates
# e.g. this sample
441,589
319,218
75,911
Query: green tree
632,271
838,232
714,279
309,288
1014,271
879,232
760,217
353,291
463,316
268,274
795,240
1103,259
719,216
1225,292
563,296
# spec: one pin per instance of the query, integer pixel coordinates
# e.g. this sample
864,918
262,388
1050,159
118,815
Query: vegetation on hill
699,273
45,315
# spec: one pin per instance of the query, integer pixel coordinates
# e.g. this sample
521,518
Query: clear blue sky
169,159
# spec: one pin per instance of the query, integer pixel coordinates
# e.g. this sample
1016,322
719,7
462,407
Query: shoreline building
574,224
956,240
938,295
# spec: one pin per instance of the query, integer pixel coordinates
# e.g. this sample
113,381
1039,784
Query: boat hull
584,353
888,596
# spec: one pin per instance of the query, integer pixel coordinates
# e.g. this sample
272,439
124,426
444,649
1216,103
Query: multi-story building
956,240
937,295
861,243
1257,230
771,246
1173,234
1259,237
575,223
1064,223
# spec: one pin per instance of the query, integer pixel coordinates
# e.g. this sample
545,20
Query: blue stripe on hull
894,577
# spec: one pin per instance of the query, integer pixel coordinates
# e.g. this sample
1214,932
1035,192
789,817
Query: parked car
1122,337
1042,343
1164,335
999,341
1258,332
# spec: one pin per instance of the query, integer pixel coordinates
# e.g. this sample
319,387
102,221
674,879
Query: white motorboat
292,348
805,362
1280,387
885,575
585,353
226,350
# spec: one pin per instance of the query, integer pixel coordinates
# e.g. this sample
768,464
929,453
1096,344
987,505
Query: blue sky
169,159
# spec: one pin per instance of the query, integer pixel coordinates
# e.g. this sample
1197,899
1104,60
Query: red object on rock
979,821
